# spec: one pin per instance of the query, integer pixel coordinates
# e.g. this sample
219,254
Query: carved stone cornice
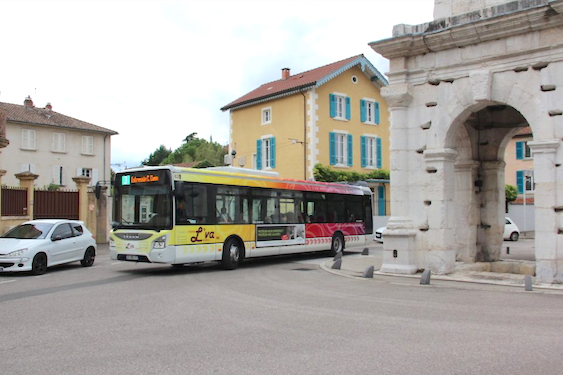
397,95
472,28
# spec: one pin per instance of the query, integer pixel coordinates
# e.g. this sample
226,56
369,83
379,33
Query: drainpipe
304,135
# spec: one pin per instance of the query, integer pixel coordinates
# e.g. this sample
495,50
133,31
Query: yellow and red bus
180,216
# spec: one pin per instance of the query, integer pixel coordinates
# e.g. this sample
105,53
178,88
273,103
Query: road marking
7,281
113,264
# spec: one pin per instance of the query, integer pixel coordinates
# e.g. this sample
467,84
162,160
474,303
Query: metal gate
56,204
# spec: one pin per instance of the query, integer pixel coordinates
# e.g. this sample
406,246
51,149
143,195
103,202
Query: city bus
179,216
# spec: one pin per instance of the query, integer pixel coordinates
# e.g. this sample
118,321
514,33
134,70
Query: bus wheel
232,254
337,244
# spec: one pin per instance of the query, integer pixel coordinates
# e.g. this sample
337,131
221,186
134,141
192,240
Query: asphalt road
280,315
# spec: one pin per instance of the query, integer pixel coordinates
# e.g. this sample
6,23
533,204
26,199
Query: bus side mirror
179,189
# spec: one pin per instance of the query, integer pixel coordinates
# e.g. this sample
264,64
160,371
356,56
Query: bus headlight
159,243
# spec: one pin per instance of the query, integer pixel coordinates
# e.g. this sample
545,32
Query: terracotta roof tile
293,83
42,116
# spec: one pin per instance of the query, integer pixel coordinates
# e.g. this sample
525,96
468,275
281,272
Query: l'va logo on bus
206,235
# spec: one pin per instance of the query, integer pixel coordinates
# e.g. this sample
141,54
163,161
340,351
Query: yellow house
333,115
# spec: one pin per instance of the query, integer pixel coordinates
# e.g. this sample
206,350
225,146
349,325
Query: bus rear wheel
232,254
337,244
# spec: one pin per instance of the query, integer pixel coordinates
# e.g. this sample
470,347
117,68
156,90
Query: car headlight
17,253
159,243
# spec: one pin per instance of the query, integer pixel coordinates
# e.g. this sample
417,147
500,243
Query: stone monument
460,88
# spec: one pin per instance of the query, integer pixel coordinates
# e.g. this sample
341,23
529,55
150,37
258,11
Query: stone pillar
399,245
466,210
27,182
548,201
492,200
82,184
441,210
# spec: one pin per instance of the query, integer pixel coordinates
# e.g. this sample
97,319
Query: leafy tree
193,149
511,192
157,156
328,174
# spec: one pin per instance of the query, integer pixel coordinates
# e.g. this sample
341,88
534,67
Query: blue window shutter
348,111
520,181
332,106
378,143
362,110
350,151
273,152
519,150
376,112
258,154
332,148
363,151
381,209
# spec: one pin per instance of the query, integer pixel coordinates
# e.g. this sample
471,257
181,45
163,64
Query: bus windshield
143,200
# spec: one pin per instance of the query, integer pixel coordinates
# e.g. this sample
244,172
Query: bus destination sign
129,180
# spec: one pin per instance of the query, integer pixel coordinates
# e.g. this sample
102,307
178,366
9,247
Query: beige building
333,115
54,146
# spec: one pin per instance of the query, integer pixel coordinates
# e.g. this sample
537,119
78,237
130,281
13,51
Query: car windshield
35,231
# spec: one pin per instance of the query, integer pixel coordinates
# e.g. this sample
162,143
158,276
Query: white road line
7,281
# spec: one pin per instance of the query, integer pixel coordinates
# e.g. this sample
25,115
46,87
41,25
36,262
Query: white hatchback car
511,231
38,244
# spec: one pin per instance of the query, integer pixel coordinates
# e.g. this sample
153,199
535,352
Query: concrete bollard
337,256
337,264
508,250
368,273
528,283
365,251
425,279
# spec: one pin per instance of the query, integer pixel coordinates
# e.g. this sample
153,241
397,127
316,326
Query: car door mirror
58,237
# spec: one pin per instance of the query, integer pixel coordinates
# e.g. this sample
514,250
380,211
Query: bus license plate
131,257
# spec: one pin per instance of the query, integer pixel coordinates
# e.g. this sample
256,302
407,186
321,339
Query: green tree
193,149
157,156
511,192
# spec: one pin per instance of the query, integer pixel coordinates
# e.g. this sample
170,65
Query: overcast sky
156,71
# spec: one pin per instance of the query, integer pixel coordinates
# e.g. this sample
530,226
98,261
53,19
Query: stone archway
458,91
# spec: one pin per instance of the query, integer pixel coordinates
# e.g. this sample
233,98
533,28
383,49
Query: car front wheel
39,265
514,236
89,256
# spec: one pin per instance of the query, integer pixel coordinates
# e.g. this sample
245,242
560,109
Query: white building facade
53,146
460,88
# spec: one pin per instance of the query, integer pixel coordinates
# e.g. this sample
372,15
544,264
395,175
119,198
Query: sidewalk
512,274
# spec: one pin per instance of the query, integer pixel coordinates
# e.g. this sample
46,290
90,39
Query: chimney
285,73
48,106
28,103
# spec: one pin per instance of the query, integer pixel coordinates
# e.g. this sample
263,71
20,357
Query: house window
371,151
369,111
266,153
340,148
86,172
58,178
266,116
340,107
340,145
523,151
87,145
525,181
59,142
28,139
